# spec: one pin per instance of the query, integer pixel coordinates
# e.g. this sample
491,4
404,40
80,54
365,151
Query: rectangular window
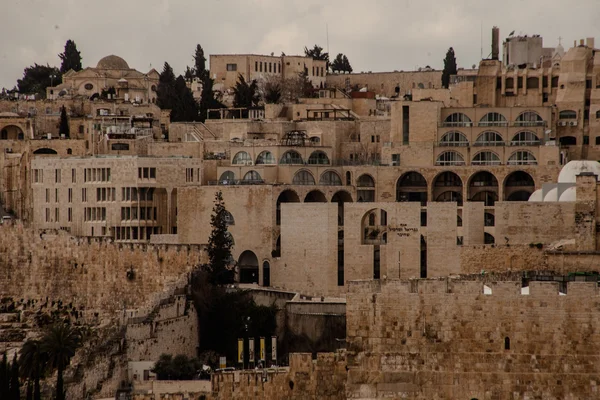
47,195
405,124
38,175
69,214
47,215
231,67
56,195
70,195
84,195
152,173
56,215
270,66
256,66
73,175
189,174
57,175
261,66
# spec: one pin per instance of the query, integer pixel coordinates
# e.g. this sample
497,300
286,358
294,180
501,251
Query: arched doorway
315,196
340,198
412,187
248,264
518,186
11,132
266,273
287,196
483,186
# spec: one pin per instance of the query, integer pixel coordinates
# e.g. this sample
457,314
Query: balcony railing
237,182
487,124
492,144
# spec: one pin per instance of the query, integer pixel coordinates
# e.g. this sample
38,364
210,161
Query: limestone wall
426,339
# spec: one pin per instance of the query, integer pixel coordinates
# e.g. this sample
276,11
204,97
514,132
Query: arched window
412,187
242,158
486,158
315,140
266,157
525,138
291,157
488,239
303,177
450,158
69,151
457,119
447,178
567,114
489,138
598,114
493,119
330,178
252,177
227,177
228,218
450,196
522,157
365,181
318,157
454,138
507,343
529,118
45,150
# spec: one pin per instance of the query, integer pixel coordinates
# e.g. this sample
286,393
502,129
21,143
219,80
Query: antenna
481,39
327,33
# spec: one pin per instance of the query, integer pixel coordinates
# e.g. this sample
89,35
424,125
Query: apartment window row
137,194
106,194
49,215
135,232
96,175
191,173
318,71
94,214
38,176
141,213
268,67
146,173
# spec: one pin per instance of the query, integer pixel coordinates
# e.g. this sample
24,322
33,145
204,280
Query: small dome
536,196
573,168
569,195
112,62
552,195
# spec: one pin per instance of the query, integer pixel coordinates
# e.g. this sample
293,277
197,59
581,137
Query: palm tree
33,364
59,344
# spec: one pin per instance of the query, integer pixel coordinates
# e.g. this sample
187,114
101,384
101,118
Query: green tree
450,67
64,123
185,107
245,94
60,344
316,53
272,92
207,99
71,58
306,88
346,64
15,385
200,63
37,78
166,92
32,362
176,368
341,64
4,378
220,244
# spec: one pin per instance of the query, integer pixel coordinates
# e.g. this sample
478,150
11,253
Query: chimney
495,43
581,42
589,42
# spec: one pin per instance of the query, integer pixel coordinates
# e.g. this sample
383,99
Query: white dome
574,168
569,195
536,196
552,195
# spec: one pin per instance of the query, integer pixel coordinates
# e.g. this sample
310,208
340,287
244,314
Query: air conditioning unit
573,123
562,123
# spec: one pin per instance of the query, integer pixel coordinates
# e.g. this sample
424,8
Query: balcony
233,182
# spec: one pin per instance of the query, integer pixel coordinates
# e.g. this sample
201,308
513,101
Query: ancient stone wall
446,339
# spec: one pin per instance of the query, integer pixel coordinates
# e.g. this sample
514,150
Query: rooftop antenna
327,33
481,39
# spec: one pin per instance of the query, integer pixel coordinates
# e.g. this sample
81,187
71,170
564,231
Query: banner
262,349
251,350
240,351
274,348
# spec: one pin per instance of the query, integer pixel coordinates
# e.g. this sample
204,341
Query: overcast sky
376,35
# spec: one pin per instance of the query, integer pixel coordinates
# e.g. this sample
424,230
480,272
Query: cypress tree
219,244
200,63
166,88
4,378
15,385
71,58
185,107
64,123
449,67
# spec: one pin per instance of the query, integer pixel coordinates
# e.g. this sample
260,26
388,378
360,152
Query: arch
315,140
252,177
568,141
486,158
69,151
412,187
519,179
522,157
374,226
45,150
266,273
507,343
450,196
303,177
488,238
519,195
457,119
227,177
291,157
489,138
447,186
529,118
454,138
315,196
248,264
287,196
525,138
567,114
483,186
450,157
340,198
265,157
228,218
241,158
365,180
318,158
330,178
12,132
493,119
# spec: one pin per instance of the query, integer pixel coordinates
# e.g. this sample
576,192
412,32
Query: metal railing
513,143
487,124
232,182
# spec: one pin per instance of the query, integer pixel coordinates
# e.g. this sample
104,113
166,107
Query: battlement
450,286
